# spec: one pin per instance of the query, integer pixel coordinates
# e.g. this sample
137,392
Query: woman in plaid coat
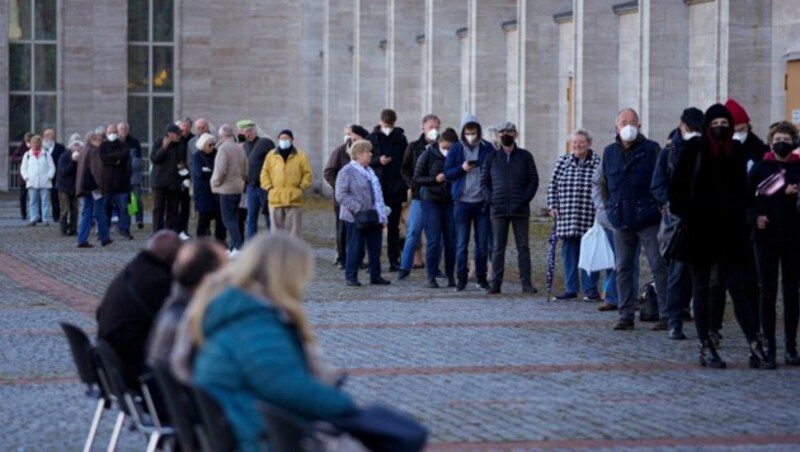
569,199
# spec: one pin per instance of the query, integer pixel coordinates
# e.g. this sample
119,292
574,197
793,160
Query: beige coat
230,169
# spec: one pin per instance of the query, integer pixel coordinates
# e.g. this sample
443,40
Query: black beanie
360,131
693,117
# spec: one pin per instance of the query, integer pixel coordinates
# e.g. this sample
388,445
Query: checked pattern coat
570,192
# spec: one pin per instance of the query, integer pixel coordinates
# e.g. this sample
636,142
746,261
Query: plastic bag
133,206
596,252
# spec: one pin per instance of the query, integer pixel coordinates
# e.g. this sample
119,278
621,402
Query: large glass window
32,70
151,72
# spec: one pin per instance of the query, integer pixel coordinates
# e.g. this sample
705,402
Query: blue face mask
284,144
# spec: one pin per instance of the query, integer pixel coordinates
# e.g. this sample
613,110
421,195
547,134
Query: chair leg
98,413
112,445
153,443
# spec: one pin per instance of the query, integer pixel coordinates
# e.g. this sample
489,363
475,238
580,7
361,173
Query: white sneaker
114,219
184,236
233,253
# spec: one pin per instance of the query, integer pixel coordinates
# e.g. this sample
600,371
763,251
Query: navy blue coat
455,158
628,174
202,167
509,182
66,169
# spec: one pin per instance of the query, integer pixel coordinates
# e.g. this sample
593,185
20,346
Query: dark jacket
429,165
509,182
455,158
665,166
779,208
202,167
754,147
56,153
394,145
95,166
165,165
410,158
134,159
256,152
165,326
16,157
712,204
338,159
115,157
130,304
627,176
66,170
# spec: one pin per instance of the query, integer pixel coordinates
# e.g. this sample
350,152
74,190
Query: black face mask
720,132
782,149
507,140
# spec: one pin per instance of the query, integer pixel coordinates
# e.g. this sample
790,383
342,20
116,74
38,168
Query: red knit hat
739,114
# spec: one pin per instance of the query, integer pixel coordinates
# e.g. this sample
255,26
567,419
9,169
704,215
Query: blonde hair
359,147
275,267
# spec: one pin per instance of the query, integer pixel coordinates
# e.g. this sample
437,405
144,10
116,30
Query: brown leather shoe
623,325
661,325
606,307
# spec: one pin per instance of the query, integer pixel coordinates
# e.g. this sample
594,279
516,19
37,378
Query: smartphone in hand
472,162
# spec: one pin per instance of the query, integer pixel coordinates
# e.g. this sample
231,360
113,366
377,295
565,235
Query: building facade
550,66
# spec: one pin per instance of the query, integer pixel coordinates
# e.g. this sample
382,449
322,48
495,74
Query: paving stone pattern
507,372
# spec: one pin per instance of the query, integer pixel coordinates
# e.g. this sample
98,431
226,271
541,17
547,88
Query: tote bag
596,252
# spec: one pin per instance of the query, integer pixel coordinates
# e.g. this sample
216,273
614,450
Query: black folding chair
214,423
180,406
84,356
129,403
287,432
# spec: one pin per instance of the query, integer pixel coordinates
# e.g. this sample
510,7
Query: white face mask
346,137
284,144
740,136
48,144
444,151
112,137
432,134
471,138
75,155
628,133
387,130
689,135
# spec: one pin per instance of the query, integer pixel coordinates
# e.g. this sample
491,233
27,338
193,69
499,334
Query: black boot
758,358
461,284
483,283
791,356
432,284
709,357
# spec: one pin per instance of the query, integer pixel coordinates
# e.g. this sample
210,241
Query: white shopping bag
596,252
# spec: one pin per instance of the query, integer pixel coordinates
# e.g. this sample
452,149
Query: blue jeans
471,215
357,239
440,231
679,290
34,194
256,203
571,252
92,209
413,234
229,208
626,248
121,200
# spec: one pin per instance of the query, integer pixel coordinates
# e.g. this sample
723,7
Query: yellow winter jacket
286,181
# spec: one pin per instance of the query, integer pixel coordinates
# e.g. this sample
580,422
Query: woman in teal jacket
254,343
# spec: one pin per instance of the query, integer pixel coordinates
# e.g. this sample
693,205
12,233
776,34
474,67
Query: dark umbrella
551,262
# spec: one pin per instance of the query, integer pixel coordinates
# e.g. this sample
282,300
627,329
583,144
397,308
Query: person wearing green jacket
254,343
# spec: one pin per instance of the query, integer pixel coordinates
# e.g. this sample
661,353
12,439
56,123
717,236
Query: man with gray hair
256,149
228,181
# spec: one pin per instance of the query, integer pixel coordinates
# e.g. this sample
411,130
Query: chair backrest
82,353
286,432
112,370
213,421
180,406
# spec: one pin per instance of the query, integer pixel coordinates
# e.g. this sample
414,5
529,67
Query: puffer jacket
429,165
779,208
250,355
509,182
116,156
570,192
286,180
164,173
38,172
410,158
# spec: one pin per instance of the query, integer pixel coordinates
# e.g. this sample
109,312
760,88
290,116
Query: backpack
648,303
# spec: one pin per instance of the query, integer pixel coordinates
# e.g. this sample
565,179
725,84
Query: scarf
377,194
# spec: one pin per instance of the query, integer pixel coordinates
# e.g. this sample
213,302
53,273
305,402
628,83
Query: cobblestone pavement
509,372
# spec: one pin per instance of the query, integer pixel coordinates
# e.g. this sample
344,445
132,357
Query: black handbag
673,236
367,219
648,303
382,428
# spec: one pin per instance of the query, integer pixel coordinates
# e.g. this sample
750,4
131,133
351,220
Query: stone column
369,61
596,68
512,73
747,36
405,21
703,53
566,80
539,86
665,59
629,93
442,19
5,151
487,58
194,93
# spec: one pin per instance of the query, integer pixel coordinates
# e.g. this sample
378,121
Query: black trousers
23,201
393,249
204,225
738,281
55,207
768,256
341,236
184,210
165,209
718,291
500,227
